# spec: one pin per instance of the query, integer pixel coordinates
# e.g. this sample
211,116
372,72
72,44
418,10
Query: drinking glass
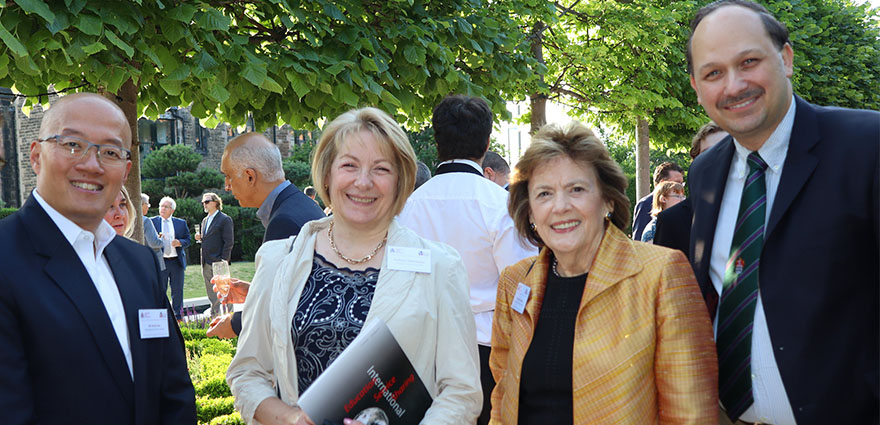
222,280
198,228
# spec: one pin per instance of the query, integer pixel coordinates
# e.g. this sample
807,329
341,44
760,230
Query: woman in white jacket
313,293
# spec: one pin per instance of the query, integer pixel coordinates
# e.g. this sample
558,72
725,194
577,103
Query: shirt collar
463,161
212,214
71,231
774,150
265,209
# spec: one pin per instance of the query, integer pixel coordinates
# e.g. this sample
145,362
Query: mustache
733,100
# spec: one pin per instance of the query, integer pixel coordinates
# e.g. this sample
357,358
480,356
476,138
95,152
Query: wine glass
222,280
198,228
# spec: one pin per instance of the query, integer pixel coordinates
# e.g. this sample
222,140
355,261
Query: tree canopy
288,60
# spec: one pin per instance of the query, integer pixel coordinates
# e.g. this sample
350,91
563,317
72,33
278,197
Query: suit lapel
64,268
706,203
799,163
129,289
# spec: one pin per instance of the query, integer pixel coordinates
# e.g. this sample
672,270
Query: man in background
216,237
461,208
495,168
667,171
175,238
151,236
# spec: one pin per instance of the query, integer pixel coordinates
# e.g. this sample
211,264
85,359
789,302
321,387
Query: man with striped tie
785,233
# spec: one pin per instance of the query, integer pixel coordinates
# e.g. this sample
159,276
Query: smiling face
567,207
117,215
81,189
363,183
741,78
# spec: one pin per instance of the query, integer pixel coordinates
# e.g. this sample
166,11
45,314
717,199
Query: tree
622,64
279,60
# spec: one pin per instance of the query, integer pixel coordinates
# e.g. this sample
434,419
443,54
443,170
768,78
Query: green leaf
26,64
333,11
183,13
343,93
36,6
335,68
255,74
89,24
179,74
61,22
93,48
205,61
115,78
148,51
172,30
388,97
414,55
129,51
212,20
12,42
368,65
271,85
217,93
171,87
297,83
4,66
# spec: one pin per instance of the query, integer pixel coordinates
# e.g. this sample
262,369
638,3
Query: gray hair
264,158
423,174
145,199
169,199
496,162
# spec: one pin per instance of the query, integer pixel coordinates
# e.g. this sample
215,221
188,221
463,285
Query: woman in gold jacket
597,329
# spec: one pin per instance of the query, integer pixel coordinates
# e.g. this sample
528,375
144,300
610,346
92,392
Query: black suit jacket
673,228
217,242
642,216
60,360
291,210
181,233
819,264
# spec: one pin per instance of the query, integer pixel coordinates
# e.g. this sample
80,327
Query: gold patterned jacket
643,349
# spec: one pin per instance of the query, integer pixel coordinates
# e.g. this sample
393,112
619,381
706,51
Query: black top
330,314
545,392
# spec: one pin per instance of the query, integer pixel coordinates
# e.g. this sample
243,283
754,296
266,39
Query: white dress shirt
168,251
469,213
89,248
771,404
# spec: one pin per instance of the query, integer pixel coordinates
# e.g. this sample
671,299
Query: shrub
4,212
168,160
210,408
214,388
298,172
231,419
248,232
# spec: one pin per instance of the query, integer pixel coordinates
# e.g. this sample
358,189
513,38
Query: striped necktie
740,294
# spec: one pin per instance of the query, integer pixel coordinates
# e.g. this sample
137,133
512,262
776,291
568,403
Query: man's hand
221,327
238,290
175,243
198,236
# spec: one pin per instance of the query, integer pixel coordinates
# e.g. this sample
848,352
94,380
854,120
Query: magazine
371,381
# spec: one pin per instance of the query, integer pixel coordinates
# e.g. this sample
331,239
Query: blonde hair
384,130
664,189
579,143
129,208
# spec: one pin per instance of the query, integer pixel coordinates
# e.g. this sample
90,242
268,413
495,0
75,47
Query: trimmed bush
4,212
210,408
231,419
214,388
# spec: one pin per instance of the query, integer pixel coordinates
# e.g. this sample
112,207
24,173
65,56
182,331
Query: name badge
521,298
409,259
153,323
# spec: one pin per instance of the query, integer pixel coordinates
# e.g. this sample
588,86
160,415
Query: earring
608,216
533,227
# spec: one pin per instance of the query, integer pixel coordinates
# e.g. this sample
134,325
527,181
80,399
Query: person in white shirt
463,209
86,335
175,236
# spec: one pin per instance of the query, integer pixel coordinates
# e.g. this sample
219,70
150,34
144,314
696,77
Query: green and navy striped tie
736,313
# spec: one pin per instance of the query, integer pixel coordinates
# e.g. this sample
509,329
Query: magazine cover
371,381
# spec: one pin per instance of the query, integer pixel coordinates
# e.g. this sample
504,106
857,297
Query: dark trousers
173,275
487,382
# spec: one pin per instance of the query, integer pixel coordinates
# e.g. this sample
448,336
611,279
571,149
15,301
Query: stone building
175,126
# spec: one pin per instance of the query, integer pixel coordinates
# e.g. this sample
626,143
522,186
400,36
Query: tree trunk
126,98
538,100
643,159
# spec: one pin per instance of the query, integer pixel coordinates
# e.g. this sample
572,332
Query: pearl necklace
349,260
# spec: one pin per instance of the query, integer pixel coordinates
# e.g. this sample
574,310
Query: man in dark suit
85,332
807,179
665,172
175,235
254,175
216,242
495,168
673,228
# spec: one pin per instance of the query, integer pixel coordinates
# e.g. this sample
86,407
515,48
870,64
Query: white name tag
409,259
521,298
153,323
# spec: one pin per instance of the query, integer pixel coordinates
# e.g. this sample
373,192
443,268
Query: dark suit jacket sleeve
16,401
236,322
151,236
641,217
673,228
281,228
228,238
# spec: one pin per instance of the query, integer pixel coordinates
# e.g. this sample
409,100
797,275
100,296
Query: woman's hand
273,411
347,421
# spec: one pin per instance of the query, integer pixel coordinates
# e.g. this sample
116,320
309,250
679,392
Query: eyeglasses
207,202
677,196
108,155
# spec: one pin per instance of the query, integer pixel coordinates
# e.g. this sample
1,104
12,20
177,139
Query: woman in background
313,293
666,195
120,213
596,329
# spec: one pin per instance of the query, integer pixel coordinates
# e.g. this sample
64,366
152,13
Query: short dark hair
776,30
462,126
704,132
662,171
496,162
310,191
